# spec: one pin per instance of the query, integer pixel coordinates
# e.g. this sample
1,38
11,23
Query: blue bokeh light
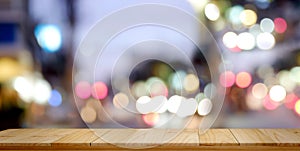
55,99
49,37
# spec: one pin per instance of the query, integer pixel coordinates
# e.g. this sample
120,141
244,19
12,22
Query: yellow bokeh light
191,83
9,68
297,107
259,90
88,114
120,100
248,17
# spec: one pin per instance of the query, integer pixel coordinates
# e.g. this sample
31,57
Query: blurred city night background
259,41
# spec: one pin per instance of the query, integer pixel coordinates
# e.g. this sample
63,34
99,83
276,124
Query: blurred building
40,85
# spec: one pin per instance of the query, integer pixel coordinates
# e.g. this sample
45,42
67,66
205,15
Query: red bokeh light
269,104
99,90
280,25
290,100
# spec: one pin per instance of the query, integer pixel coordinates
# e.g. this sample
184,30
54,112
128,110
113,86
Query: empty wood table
188,139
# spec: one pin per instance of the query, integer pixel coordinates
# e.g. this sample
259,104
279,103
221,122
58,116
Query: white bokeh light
246,41
41,91
49,37
277,93
265,41
204,107
230,39
187,107
212,12
174,103
267,25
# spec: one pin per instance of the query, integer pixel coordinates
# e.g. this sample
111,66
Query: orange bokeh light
243,79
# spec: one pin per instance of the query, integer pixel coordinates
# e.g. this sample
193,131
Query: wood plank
19,132
50,132
161,139
145,138
253,137
217,137
128,138
79,137
284,137
295,131
186,137
28,137
263,137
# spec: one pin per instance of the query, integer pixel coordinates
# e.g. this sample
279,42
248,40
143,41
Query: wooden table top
188,139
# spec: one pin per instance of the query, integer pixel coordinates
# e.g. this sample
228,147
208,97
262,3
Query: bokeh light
88,114
262,4
48,37
176,80
277,93
265,41
99,90
280,25
187,107
285,80
267,25
139,89
163,106
227,79
41,91
243,79
145,104
198,5
173,103
8,68
24,87
210,90
141,104
212,12
191,83
269,104
253,103
151,119
233,14
265,71
157,88
297,107
120,100
230,39
246,41
55,99
259,90
204,107
290,100
248,17
295,74
200,96
83,90
255,30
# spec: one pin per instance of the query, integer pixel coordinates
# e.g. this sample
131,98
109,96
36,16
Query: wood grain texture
284,137
137,138
254,137
78,137
270,137
27,137
187,137
217,137
152,139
